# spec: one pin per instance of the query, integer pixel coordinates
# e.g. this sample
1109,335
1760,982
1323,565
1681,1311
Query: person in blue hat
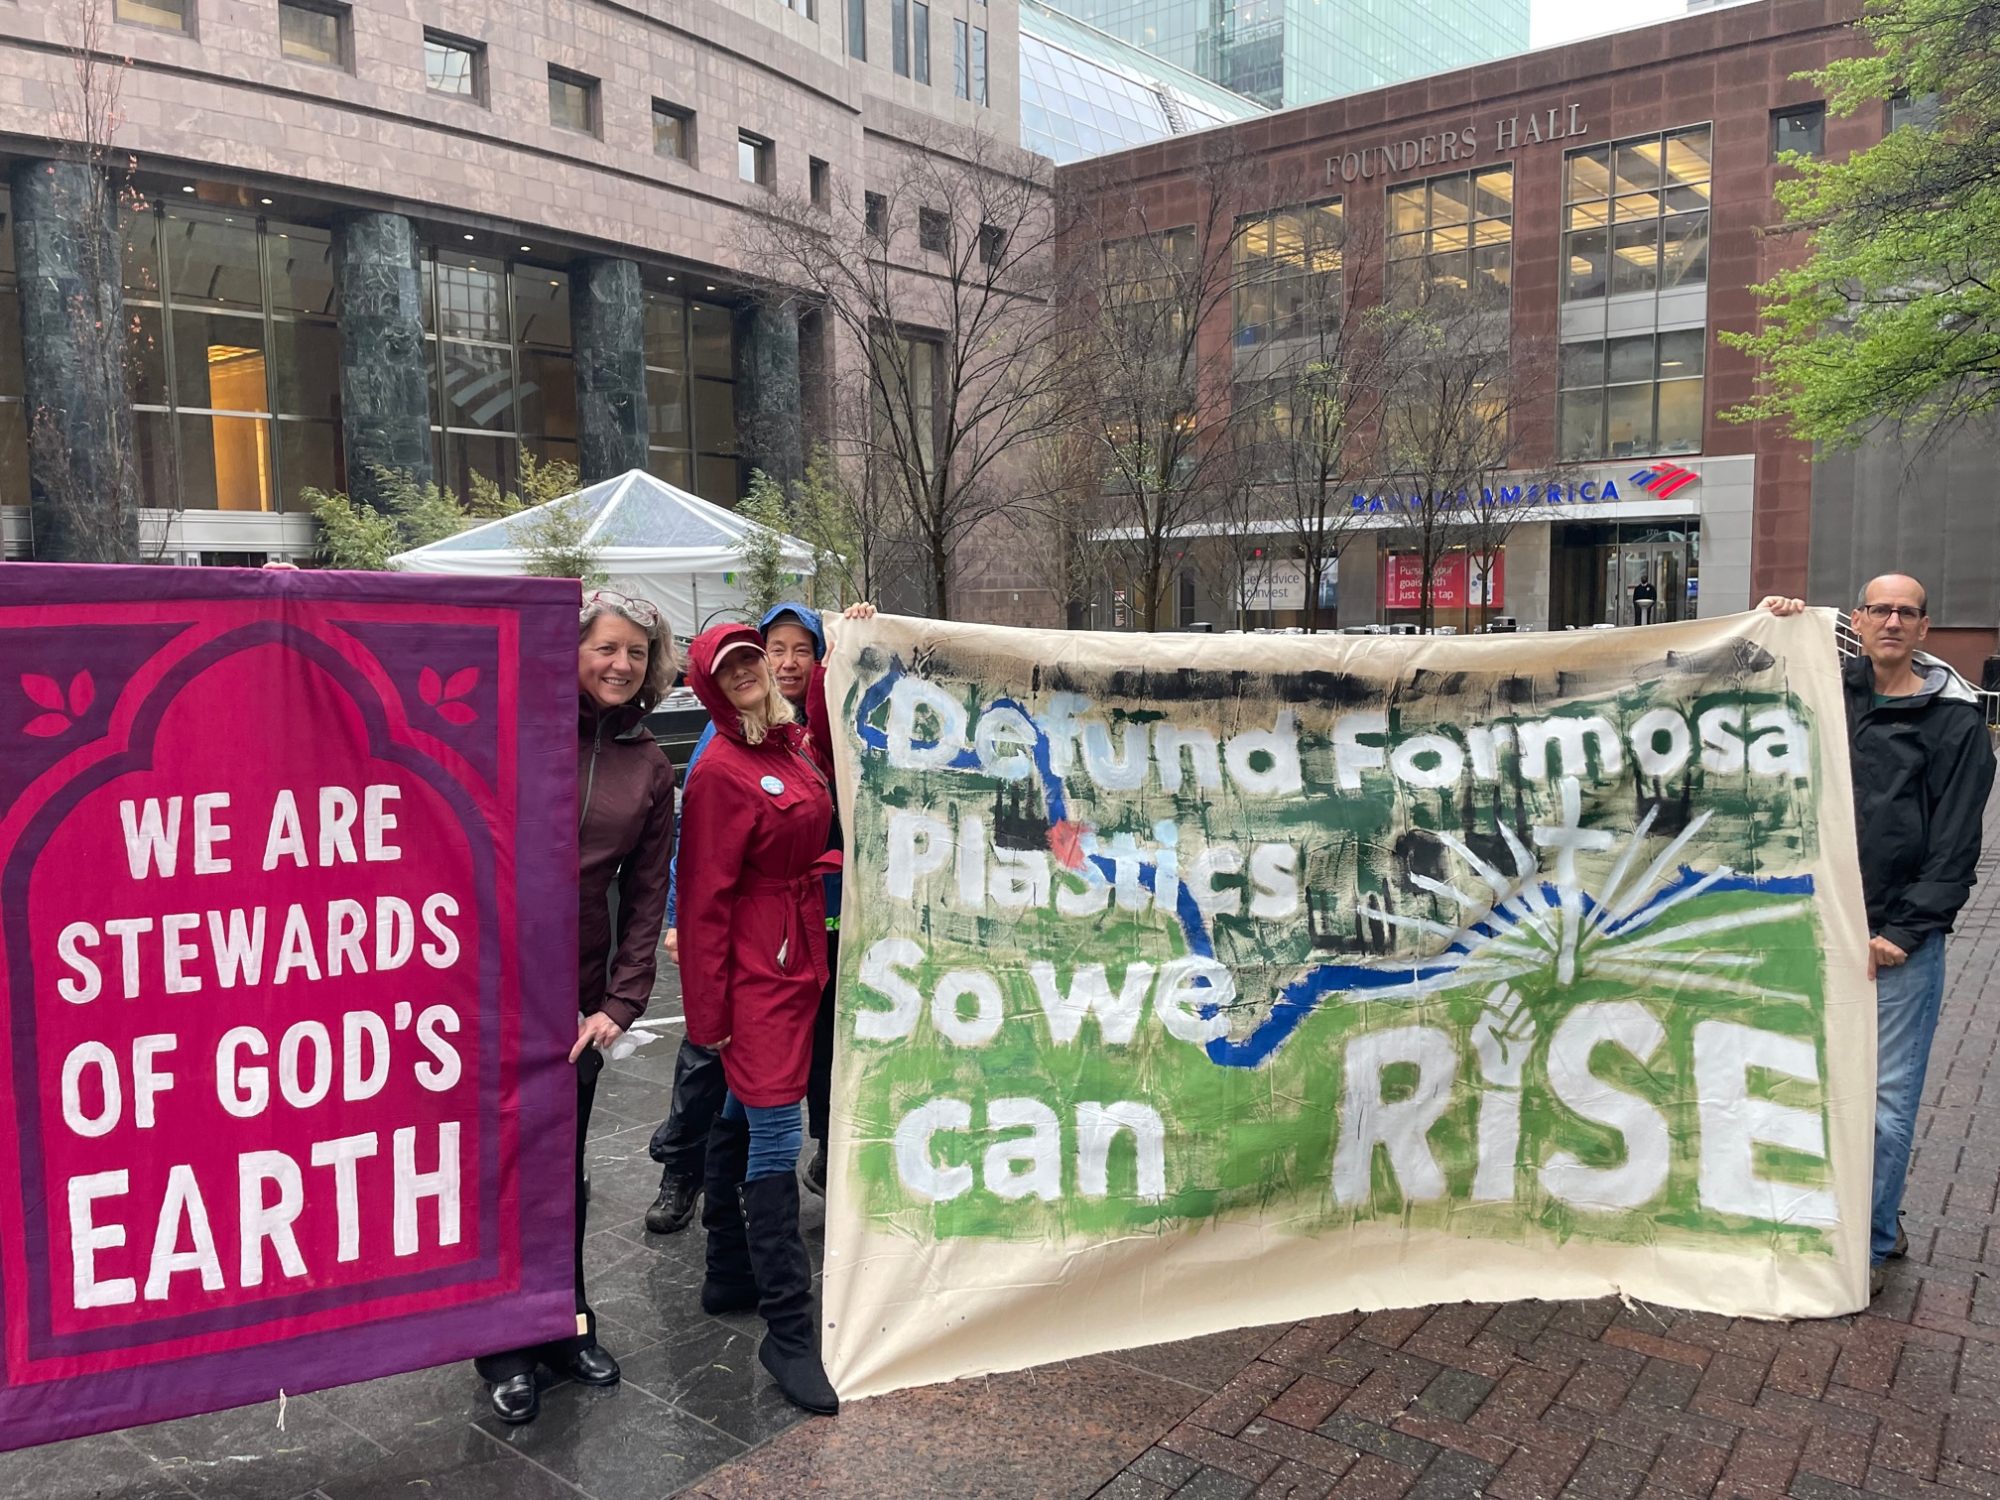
795,646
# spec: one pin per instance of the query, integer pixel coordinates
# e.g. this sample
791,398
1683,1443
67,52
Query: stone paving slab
1595,1400
1525,1401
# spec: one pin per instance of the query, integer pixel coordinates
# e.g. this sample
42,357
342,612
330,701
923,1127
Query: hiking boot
675,1206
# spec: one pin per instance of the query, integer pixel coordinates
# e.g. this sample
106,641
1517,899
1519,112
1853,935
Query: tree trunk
940,578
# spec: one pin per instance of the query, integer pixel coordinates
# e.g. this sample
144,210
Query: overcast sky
1564,20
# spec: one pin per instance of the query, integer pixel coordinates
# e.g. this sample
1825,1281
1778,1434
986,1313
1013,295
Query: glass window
899,37
1633,396
541,308
1682,353
1635,257
1652,192
219,361
463,454
715,416
920,41
819,182
691,422
1628,417
673,131
1629,359
213,261
672,467
153,462
979,65
961,74
548,394
14,454
299,269
1684,250
225,462
1452,232
454,67
313,32
875,216
172,14
716,479
857,30
667,408
1919,110
933,230
305,358
478,386
471,299
666,332
753,158
709,334
1801,128
572,101
308,458
1680,417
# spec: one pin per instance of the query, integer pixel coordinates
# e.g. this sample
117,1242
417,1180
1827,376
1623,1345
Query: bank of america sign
1660,481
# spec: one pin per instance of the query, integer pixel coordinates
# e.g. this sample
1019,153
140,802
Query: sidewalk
1525,1401
1522,1401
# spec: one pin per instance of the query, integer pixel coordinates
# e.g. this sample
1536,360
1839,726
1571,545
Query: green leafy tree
1895,312
364,538
762,576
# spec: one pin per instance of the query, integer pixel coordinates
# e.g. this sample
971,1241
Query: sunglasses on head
642,614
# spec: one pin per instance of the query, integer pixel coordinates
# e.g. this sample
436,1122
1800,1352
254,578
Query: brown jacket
625,834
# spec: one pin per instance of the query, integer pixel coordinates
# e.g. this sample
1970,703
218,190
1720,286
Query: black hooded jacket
1923,768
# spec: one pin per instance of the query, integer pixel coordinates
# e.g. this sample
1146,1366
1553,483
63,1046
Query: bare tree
1316,367
939,281
1462,387
1056,524
1147,296
83,491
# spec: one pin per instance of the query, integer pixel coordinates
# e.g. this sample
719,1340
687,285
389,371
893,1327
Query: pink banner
288,872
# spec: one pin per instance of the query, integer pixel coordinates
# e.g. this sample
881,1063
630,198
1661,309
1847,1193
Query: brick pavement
1603,1401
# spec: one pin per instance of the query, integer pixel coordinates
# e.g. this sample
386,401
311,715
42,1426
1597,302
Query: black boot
675,1206
790,1350
730,1285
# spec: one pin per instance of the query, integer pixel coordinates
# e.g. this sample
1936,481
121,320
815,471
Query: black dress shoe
676,1204
594,1366
516,1399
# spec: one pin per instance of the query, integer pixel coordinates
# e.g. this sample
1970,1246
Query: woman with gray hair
625,662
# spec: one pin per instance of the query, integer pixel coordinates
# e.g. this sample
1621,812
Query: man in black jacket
1923,768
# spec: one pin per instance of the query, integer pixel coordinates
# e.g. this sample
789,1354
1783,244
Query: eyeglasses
642,614
1909,614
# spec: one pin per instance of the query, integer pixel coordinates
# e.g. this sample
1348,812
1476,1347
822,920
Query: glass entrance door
1646,578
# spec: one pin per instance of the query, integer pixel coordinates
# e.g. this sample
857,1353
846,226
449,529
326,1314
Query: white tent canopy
653,541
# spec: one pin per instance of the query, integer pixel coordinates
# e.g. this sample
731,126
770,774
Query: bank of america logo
1664,481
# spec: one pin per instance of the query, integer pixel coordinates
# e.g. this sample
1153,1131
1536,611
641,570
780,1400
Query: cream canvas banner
1190,983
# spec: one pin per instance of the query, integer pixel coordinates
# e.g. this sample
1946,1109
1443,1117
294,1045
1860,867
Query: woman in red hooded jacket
752,921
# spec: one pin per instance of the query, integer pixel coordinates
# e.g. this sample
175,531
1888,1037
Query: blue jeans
1907,1000
775,1136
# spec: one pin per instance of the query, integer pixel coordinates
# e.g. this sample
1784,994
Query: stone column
1360,580
385,378
68,253
769,399
607,310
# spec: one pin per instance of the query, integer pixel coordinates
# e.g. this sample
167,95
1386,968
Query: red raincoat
751,911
